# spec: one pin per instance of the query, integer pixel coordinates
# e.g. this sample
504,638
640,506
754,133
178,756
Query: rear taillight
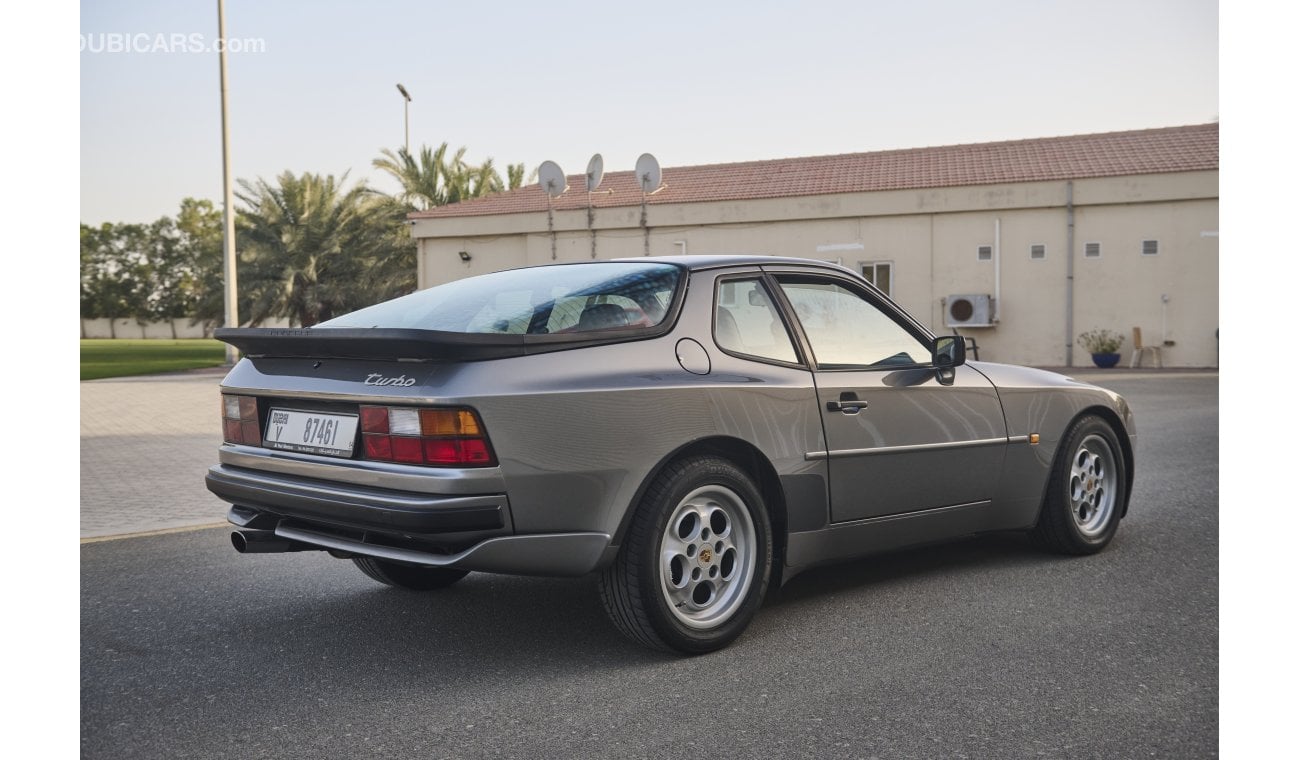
439,437
239,420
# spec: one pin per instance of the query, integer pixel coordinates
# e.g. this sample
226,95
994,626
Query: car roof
698,262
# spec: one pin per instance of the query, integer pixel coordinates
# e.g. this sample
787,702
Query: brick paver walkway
145,444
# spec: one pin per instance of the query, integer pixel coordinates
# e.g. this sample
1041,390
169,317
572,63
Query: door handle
849,403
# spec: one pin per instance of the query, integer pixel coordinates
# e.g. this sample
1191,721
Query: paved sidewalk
145,444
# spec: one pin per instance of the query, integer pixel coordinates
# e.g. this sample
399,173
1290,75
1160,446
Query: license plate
311,432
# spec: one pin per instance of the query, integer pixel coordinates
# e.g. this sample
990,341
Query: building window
880,274
1150,247
1038,251
1092,250
984,253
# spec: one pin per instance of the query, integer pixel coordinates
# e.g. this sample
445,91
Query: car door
901,435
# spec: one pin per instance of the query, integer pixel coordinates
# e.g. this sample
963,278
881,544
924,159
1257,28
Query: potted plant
1103,345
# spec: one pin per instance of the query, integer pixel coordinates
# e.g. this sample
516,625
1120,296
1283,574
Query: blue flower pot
1105,361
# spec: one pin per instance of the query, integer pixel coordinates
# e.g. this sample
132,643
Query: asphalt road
985,648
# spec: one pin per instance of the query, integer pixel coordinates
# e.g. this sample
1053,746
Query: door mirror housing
948,351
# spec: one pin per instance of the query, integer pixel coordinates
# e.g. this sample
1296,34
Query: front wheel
695,564
1087,490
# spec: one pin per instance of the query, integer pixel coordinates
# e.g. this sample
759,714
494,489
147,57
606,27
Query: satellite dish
552,178
595,172
648,174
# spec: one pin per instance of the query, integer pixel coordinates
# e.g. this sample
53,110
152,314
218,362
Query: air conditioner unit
968,310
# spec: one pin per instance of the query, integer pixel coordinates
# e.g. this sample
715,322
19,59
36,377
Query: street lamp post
407,106
228,237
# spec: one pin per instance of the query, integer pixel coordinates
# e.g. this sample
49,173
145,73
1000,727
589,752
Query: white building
1062,234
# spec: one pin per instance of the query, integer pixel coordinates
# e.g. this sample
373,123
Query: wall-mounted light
465,257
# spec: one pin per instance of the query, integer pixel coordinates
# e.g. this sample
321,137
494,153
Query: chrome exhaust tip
264,542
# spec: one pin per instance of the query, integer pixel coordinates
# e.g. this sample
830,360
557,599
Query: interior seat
602,316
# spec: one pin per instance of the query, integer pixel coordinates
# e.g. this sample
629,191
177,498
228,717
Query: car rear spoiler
400,343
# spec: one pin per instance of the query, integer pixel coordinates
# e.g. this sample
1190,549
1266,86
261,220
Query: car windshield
549,300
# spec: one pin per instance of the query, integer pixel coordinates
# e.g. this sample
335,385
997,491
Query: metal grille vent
1092,250
1150,247
1038,251
969,310
984,253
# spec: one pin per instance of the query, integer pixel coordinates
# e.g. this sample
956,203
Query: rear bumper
463,532
546,554
364,507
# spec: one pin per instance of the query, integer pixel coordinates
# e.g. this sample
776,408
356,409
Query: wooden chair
1139,349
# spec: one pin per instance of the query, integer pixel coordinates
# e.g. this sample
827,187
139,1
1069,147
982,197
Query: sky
314,87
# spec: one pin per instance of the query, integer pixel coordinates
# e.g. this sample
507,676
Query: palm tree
483,179
423,180
432,178
515,175
312,249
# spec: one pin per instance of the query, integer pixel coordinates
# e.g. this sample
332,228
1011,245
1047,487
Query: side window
746,322
846,330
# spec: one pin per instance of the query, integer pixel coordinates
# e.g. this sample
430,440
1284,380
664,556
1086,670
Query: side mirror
948,351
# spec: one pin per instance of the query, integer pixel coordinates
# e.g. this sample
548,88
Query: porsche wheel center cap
706,556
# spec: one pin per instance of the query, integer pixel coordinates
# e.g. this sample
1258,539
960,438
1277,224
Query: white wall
931,236
131,329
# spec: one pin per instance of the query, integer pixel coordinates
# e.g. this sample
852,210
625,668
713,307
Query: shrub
1101,341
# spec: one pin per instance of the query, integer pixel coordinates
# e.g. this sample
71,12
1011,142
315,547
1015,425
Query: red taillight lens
239,422
406,449
378,446
374,419
456,451
438,437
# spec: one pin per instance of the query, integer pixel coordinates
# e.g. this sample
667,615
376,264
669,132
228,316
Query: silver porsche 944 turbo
693,429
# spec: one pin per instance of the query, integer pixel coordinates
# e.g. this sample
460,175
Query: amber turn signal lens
448,422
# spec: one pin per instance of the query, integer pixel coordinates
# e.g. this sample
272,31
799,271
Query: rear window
575,298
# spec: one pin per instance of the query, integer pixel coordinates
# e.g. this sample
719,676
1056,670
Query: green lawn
116,358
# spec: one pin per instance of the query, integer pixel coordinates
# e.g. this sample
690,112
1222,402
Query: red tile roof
1110,154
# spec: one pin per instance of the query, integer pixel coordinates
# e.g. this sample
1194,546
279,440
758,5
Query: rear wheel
412,577
695,564
1087,491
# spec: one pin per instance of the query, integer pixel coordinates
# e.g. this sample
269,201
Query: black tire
410,577
694,589
1087,492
